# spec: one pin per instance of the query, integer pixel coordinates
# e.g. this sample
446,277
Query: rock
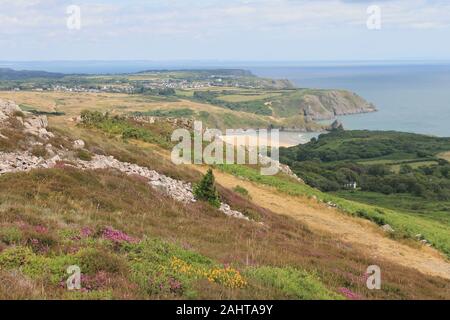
23,161
78,144
20,119
225,208
328,104
264,160
332,204
176,189
387,228
336,125
49,149
37,126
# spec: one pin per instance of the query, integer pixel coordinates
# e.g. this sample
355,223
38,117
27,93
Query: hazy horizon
127,66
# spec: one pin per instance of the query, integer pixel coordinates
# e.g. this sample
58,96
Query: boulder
387,228
336,125
7,109
37,126
78,144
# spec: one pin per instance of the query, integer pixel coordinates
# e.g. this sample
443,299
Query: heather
130,242
133,242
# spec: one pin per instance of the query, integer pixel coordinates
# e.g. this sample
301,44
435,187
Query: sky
232,30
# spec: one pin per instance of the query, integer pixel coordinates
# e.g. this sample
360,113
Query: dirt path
361,233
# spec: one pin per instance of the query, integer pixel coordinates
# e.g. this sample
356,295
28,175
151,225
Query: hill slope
10,74
66,201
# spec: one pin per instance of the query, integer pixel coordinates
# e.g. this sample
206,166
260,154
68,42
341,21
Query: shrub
206,190
294,283
39,151
10,235
84,155
242,191
18,114
93,261
92,118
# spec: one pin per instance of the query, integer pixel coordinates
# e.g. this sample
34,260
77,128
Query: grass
44,215
414,165
72,104
177,113
128,129
428,209
242,191
53,218
444,155
297,284
247,97
33,110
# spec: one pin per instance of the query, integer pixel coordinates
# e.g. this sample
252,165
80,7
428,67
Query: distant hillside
203,72
366,145
320,104
10,74
309,104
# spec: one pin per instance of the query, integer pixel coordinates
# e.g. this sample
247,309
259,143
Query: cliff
321,104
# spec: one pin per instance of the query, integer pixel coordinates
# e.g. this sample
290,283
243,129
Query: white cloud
209,17
24,22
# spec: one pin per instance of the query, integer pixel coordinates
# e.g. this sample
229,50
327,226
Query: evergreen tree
206,190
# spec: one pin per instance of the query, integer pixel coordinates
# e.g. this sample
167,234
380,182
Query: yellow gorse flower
228,277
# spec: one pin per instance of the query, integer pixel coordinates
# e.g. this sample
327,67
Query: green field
247,97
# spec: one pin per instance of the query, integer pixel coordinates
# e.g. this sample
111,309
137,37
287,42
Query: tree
206,190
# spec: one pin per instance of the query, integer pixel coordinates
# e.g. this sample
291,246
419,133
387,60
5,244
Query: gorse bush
206,190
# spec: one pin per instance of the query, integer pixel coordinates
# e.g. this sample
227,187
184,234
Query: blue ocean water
410,98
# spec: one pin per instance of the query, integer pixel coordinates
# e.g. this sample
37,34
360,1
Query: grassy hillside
399,172
132,242
70,105
245,101
285,104
428,215
10,74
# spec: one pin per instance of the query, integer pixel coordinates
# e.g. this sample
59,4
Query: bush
84,155
206,190
39,151
93,261
92,118
242,191
294,283
10,235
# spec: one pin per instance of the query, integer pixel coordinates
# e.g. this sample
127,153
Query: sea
411,96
